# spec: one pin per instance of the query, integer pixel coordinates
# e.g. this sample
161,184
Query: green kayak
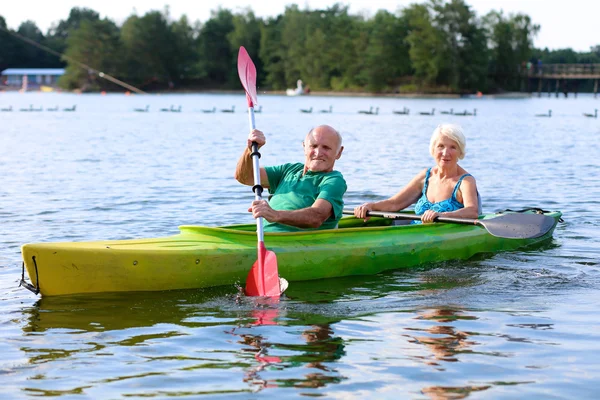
202,256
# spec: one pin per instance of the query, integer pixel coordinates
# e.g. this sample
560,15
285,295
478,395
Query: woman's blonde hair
452,132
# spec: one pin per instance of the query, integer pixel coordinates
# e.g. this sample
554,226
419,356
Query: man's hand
258,137
261,208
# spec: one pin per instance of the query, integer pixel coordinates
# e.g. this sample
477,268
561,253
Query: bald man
304,196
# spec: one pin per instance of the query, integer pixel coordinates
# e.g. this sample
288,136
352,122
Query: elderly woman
443,190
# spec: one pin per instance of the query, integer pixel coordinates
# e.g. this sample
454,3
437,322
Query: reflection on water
452,393
443,339
444,342
119,311
107,324
316,356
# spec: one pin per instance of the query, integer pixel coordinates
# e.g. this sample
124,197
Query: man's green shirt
291,190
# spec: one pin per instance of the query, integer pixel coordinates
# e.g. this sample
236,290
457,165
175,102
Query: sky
563,24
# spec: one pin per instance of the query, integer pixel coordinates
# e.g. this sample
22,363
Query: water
521,324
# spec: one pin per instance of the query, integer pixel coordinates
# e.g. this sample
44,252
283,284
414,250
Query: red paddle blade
266,316
267,359
263,278
247,73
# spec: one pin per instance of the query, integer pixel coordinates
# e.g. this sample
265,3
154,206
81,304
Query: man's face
321,150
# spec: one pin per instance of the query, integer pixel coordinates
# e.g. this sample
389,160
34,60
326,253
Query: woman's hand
429,216
362,210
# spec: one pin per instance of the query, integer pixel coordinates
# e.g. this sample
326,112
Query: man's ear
340,153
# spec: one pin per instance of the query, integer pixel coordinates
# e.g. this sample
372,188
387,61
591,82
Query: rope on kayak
35,289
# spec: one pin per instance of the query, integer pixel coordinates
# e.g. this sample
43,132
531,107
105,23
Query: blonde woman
445,189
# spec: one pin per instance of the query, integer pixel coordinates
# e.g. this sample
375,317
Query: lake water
521,324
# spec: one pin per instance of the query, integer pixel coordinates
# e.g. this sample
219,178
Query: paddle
508,226
263,278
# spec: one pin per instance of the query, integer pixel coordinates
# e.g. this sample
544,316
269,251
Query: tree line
436,46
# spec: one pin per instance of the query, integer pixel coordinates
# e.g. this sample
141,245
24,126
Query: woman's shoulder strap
458,183
427,175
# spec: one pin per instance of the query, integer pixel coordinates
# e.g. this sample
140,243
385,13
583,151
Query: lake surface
521,324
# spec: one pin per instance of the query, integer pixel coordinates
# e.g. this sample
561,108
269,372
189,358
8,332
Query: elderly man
304,196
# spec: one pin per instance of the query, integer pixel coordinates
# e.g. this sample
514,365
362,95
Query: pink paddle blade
247,73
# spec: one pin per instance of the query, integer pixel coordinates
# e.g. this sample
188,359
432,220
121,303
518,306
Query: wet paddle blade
247,73
508,226
518,226
263,278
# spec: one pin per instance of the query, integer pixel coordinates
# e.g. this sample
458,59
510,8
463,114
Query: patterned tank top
451,204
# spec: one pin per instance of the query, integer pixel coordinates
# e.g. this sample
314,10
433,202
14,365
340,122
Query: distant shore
415,95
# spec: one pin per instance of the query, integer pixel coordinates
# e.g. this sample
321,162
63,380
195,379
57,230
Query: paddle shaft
508,226
257,188
396,215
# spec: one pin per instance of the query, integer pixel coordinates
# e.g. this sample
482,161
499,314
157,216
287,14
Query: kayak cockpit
345,223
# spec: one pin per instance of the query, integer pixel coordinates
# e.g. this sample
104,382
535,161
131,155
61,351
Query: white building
35,76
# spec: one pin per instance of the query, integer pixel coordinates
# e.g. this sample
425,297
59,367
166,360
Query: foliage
435,46
216,63
97,42
387,51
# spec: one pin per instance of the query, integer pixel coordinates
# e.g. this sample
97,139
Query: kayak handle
35,289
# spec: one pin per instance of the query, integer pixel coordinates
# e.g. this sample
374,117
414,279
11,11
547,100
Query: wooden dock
559,77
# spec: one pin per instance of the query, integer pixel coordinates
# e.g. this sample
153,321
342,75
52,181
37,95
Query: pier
559,78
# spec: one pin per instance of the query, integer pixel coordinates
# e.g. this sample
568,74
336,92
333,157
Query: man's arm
244,171
309,217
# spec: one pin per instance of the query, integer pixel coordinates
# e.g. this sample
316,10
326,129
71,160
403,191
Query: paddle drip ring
258,188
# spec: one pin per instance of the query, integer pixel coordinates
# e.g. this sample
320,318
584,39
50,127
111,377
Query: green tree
56,38
8,46
97,44
319,46
295,27
153,48
525,31
466,53
503,59
272,54
184,54
427,44
215,55
247,32
511,46
27,55
344,48
387,53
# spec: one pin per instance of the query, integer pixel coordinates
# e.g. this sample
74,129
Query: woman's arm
408,195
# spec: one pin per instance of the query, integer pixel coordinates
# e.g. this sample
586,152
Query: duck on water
545,115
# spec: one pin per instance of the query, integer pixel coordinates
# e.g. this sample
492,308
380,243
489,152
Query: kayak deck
202,256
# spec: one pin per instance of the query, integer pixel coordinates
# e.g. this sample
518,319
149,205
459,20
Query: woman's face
446,152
